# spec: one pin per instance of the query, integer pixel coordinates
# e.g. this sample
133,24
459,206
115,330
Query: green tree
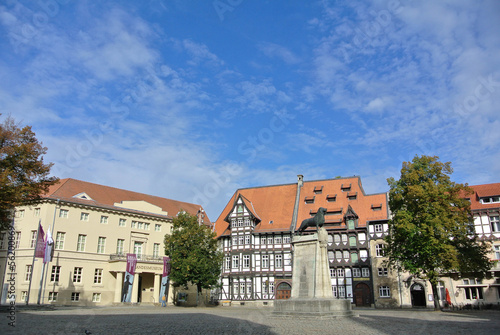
193,253
431,232
23,174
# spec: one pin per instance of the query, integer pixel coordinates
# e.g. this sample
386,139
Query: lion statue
316,221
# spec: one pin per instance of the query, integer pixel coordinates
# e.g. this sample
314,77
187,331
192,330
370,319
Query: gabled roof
275,204
70,190
481,191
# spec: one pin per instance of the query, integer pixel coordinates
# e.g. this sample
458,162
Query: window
236,261
139,225
18,239
265,261
271,287
365,272
497,251
379,250
239,209
54,275
228,263
473,293
350,224
352,241
356,272
146,226
33,239
96,297
236,288
249,288
20,213
122,222
37,212
382,272
80,246
119,246
286,239
495,223
490,200
84,216
104,219
52,296
278,261
75,296
63,213
336,238
246,261
133,224
138,249
2,241
101,245
344,238
340,273
378,228
333,272
156,250
157,227
354,257
77,275
247,239
334,290
270,240
384,292
331,256
277,240
98,276
346,255
341,291
60,240
27,273
235,240
264,287
241,240
338,255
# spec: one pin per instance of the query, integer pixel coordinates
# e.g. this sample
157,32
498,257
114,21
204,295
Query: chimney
300,180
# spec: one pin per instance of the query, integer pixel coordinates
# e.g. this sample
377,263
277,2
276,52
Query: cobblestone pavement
242,320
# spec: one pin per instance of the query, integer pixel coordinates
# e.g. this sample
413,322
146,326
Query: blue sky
191,100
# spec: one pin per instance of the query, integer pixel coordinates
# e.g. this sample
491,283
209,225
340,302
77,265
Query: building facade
462,291
93,228
256,227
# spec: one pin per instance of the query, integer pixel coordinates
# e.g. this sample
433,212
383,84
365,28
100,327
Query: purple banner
128,281
40,243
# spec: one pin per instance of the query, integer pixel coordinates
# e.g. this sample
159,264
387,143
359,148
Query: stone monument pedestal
311,284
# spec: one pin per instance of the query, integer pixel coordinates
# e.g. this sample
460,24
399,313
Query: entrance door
284,291
417,295
362,295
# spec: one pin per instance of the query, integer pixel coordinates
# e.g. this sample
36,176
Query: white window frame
122,223
365,272
104,219
52,296
382,272
101,245
77,274
495,223
60,236
265,261
378,228
63,213
235,262
84,216
98,276
82,239
379,250
157,227
156,250
356,272
119,246
384,291
75,296
246,261
278,261
96,297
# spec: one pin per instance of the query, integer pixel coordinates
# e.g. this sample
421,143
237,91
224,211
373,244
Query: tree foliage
431,230
23,174
193,253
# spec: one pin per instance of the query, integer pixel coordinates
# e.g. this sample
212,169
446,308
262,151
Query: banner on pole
165,281
40,243
49,248
128,281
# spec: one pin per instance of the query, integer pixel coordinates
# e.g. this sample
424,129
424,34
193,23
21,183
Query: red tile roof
106,196
481,191
276,204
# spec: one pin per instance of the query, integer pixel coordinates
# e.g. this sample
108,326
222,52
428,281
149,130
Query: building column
118,287
135,288
157,288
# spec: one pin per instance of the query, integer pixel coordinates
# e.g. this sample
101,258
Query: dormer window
345,188
352,195
331,197
350,223
318,189
309,200
490,200
377,207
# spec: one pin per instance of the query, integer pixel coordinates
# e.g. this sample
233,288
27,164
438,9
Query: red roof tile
481,191
107,196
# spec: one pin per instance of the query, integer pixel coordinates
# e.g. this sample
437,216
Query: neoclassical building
93,227
256,227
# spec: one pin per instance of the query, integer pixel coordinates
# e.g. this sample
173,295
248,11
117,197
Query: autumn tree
431,232
193,253
23,174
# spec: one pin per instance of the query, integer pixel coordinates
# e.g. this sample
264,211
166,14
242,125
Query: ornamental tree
431,232
193,252
23,174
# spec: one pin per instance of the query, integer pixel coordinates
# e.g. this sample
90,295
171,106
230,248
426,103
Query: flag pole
33,262
50,259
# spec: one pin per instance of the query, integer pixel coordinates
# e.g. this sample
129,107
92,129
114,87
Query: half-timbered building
256,227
